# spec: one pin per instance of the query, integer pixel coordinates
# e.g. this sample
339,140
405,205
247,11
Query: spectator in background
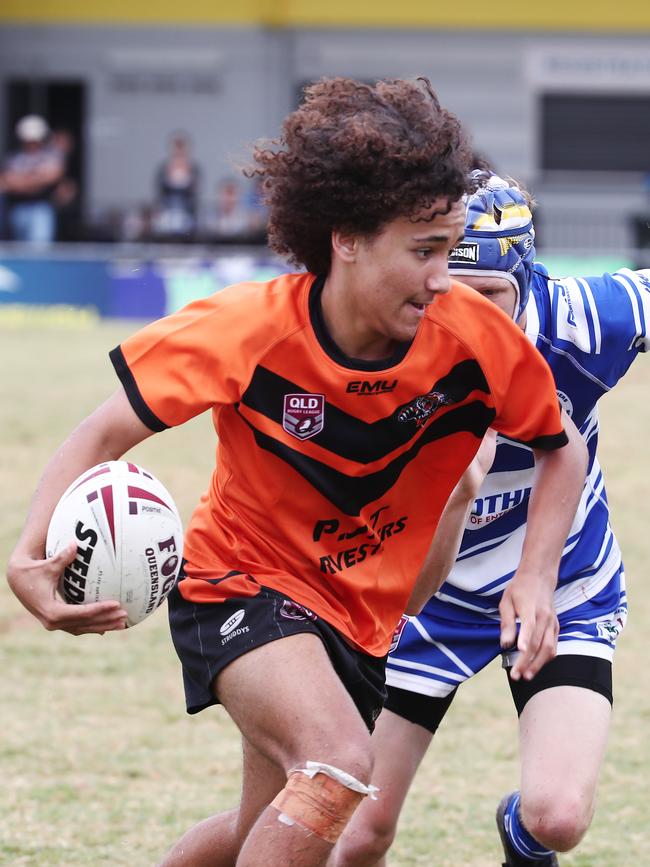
230,219
177,191
3,208
258,213
138,225
65,195
29,177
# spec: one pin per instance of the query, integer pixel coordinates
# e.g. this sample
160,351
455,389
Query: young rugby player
589,330
347,400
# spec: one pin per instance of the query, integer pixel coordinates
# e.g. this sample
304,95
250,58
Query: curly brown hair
353,157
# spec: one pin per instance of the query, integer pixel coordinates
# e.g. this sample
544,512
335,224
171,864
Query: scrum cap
499,236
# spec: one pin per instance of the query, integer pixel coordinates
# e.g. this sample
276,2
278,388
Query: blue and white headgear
499,236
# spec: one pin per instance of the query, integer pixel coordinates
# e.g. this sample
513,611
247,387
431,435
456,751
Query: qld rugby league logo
304,415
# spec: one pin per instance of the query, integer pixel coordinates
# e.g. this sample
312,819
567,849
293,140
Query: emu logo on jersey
304,415
363,386
423,407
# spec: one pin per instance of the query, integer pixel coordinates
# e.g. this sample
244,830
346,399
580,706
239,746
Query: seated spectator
177,186
29,178
258,213
138,225
229,221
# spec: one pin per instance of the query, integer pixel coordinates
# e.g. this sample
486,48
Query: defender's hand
529,598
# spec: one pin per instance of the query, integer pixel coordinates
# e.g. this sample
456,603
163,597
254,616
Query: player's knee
190,849
366,840
558,821
321,799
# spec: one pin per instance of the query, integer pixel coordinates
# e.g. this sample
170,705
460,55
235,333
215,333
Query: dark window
596,132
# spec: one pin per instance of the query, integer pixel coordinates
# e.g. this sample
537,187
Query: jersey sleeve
602,322
186,363
524,391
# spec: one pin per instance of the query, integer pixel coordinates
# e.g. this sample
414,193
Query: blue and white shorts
446,644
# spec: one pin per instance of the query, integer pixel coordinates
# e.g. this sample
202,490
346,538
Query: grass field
100,764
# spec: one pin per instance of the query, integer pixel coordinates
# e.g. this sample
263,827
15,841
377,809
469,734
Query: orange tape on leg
319,804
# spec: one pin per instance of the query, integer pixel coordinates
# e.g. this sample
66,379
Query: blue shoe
513,858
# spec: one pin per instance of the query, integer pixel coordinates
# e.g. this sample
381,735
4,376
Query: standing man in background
29,178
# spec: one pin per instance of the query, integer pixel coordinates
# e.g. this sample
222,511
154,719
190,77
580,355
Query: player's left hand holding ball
35,584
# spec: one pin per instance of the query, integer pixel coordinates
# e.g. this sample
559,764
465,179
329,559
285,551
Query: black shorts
588,672
208,636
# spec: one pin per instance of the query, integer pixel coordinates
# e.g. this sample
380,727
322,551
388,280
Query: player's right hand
35,584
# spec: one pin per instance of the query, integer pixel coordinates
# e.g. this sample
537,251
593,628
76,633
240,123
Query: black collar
329,346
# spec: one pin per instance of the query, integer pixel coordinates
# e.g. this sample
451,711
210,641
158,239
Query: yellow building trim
119,12
555,15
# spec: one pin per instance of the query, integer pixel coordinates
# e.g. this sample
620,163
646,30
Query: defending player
347,405
589,330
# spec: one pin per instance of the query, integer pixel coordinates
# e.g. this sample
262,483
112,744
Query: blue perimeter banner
127,287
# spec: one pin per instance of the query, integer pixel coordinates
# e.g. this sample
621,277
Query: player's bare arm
559,480
449,532
106,434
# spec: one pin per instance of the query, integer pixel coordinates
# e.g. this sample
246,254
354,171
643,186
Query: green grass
100,764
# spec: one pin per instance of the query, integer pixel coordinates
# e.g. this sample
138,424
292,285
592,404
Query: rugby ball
129,539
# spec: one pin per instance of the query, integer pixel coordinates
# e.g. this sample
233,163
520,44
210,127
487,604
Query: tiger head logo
423,407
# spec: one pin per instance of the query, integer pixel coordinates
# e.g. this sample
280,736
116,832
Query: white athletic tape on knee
342,777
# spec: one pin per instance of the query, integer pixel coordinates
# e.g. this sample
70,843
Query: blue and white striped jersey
589,330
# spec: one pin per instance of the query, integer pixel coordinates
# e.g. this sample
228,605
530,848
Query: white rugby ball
129,538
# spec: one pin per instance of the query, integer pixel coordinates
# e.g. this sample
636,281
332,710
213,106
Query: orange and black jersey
331,473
